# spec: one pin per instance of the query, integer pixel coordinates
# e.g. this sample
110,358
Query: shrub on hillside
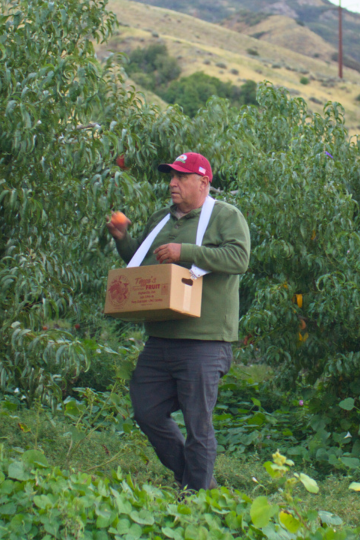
152,67
192,92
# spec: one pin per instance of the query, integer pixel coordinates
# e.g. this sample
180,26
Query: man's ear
204,182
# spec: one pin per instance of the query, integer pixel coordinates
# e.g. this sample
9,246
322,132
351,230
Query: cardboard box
153,293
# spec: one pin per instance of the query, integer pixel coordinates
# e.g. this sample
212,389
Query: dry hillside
284,31
202,46
320,16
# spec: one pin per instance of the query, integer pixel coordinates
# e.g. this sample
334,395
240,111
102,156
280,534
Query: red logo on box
119,291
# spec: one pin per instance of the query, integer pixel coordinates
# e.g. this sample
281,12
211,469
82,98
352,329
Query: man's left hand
168,253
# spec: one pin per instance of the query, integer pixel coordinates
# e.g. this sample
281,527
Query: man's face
187,190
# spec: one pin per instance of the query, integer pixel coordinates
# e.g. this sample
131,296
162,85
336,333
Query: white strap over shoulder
141,252
204,219
205,215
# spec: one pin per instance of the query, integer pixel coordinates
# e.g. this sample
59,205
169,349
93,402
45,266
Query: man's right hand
117,225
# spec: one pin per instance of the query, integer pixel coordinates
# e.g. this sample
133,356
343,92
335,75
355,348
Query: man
183,360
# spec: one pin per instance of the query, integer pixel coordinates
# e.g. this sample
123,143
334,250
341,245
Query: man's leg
200,366
154,397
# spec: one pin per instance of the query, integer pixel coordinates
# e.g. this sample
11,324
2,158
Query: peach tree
65,118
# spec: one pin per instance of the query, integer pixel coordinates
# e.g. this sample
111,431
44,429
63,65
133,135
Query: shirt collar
191,214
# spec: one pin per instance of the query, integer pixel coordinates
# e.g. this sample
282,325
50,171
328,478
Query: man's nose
173,181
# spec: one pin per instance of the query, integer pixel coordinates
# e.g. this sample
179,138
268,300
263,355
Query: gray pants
173,374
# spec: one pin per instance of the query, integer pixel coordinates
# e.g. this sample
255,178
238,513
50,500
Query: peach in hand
119,219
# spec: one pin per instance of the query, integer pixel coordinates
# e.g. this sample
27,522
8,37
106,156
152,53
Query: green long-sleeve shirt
224,251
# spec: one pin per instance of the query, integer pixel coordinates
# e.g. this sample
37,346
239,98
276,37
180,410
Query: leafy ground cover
41,501
95,434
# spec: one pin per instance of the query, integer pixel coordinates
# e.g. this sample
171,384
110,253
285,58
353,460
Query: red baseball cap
189,163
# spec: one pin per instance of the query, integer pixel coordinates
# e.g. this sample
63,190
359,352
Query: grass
25,429
247,474
195,40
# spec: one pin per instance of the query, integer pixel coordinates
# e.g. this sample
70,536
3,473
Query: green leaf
105,517
43,501
35,457
51,526
270,469
184,510
8,509
352,463
144,517
329,518
261,512
20,524
233,521
195,532
73,409
124,506
135,530
17,471
309,483
289,521
177,533
122,527
347,404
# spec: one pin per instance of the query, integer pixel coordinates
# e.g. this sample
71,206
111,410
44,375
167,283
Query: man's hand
117,227
168,253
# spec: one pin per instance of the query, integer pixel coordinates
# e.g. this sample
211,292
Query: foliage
252,52
58,179
307,250
66,118
155,70
304,80
250,18
253,416
98,412
192,92
43,502
152,67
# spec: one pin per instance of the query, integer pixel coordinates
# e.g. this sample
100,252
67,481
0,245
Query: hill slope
202,46
284,31
320,16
